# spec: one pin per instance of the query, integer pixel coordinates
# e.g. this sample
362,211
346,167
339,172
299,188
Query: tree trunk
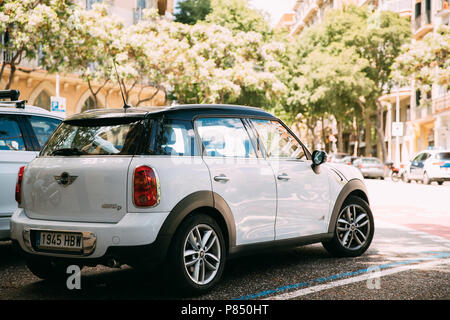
368,126
12,71
325,146
340,138
380,130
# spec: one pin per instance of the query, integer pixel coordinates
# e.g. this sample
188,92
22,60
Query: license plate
59,240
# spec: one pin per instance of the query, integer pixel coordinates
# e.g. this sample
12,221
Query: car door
15,151
303,201
244,180
415,166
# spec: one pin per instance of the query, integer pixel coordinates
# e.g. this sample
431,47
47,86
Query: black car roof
185,112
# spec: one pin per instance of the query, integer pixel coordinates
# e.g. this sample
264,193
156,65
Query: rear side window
173,138
225,137
10,135
43,128
105,137
372,161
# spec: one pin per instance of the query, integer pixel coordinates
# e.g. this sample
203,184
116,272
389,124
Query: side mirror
319,157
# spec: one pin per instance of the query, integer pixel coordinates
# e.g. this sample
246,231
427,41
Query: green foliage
237,16
192,11
426,62
344,62
36,26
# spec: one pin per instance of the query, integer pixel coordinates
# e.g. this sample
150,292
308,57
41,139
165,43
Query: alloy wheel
353,227
202,254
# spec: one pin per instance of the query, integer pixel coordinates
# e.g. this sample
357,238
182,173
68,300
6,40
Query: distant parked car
370,167
350,160
23,132
337,157
428,166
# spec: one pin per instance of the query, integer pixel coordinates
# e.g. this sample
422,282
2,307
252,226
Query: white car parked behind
428,166
23,132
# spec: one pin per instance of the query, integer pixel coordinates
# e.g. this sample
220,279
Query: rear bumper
4,228
372,173
135,234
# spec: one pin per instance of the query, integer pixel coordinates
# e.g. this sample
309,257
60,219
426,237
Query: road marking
433,257
364,277
428,236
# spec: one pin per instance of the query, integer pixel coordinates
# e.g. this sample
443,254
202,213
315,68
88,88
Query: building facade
426,119
37,86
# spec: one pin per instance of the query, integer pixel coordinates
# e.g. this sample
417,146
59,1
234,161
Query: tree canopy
426,62
192,11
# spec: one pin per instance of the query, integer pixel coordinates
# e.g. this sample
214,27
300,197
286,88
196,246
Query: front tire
198,254
354,229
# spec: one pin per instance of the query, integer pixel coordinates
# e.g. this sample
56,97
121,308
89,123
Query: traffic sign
58,104
397,129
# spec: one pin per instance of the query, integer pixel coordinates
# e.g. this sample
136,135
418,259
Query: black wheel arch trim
353,187
197,201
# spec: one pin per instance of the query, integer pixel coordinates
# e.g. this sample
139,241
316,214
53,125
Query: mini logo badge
65,179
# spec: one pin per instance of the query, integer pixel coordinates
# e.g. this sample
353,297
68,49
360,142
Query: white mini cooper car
188,185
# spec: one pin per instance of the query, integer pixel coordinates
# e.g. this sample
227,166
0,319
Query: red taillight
438,163
146,189
19,184
360,166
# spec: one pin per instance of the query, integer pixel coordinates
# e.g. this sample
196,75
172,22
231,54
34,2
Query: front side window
94,138
225,137
10,135
278,142
174,138
418,157
43,128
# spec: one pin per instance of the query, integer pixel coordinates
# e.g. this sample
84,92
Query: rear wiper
67,152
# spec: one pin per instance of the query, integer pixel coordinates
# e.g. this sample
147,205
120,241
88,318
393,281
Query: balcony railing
422,20
423,112
441,104
396,5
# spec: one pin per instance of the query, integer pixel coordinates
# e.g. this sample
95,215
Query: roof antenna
125,105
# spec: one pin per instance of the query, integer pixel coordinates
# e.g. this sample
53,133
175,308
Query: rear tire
354,229
440,183
405,178
426,179
197,255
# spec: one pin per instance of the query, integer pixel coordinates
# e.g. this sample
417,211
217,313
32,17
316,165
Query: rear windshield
372,161
443,156
94,138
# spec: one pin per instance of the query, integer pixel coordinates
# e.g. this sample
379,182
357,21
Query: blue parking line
436,255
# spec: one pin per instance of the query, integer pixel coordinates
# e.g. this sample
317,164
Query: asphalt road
409,259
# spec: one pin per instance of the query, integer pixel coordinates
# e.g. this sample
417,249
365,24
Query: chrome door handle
221,178
283,177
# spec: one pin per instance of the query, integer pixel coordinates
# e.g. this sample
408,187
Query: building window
5,53
43,100
89,3
428,11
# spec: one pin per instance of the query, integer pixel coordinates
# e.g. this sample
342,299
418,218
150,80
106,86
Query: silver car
370,167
